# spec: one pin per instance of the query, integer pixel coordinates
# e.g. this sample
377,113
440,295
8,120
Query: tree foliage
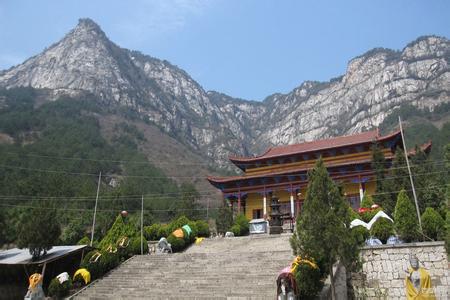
40,230
45,136
224,219
323,229
405,218
433,224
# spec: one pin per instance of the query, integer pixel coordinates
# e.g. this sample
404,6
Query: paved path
232,268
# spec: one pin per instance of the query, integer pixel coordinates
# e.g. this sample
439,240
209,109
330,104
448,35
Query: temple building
282,172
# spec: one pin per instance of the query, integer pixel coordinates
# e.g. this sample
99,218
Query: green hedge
202,228
151,232
176,243
106,262
240,226
59,290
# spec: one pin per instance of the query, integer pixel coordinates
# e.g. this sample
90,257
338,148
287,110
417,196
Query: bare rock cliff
214,124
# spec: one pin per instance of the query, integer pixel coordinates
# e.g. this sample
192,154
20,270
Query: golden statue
418,282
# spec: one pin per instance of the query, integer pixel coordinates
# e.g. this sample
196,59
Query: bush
178,223
360,234
194,231
134,248
242,221
382,229
176,243
106,262
84,241
367,216
405,218
447,231
202,228
151,232
236,230
367,201
432,224
309,281
224,219
163,231
59,290
119,229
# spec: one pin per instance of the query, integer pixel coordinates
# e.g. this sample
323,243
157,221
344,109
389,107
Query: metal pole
207,208
410,175
142,225
95,209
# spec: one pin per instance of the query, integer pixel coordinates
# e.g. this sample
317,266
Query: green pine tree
39,230
323,231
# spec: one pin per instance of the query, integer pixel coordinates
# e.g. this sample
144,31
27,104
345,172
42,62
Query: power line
169,195
178,177
120,161
167,210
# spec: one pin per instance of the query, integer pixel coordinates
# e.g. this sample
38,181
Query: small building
16,266
282,172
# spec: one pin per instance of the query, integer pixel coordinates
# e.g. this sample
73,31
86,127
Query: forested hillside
51,155
421,126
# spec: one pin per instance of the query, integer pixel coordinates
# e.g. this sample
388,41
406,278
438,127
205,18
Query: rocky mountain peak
214,124
427,46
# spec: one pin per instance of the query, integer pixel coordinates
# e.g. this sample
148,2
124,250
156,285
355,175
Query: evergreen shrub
242,221
432,224
163,231
202,228
59,290
178,223
447,231
84,241
121,228
105,263
309,281
382,229
176,243
405,218
360,234
151,232
135,246
194,231
236,229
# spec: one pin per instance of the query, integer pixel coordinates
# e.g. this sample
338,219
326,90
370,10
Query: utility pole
142,225
95,209
410,175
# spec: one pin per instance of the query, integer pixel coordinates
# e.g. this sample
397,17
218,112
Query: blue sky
245,48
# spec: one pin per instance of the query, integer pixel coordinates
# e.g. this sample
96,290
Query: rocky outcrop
214,124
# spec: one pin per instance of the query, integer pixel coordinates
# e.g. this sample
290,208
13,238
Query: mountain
214,125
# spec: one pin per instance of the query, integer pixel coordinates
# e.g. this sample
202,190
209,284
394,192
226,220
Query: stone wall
384,269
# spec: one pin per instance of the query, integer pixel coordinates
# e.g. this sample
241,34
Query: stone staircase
224,268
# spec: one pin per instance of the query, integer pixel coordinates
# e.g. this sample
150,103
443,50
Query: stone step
236,268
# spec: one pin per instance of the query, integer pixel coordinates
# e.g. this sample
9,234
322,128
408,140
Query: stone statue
418,281
163,246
